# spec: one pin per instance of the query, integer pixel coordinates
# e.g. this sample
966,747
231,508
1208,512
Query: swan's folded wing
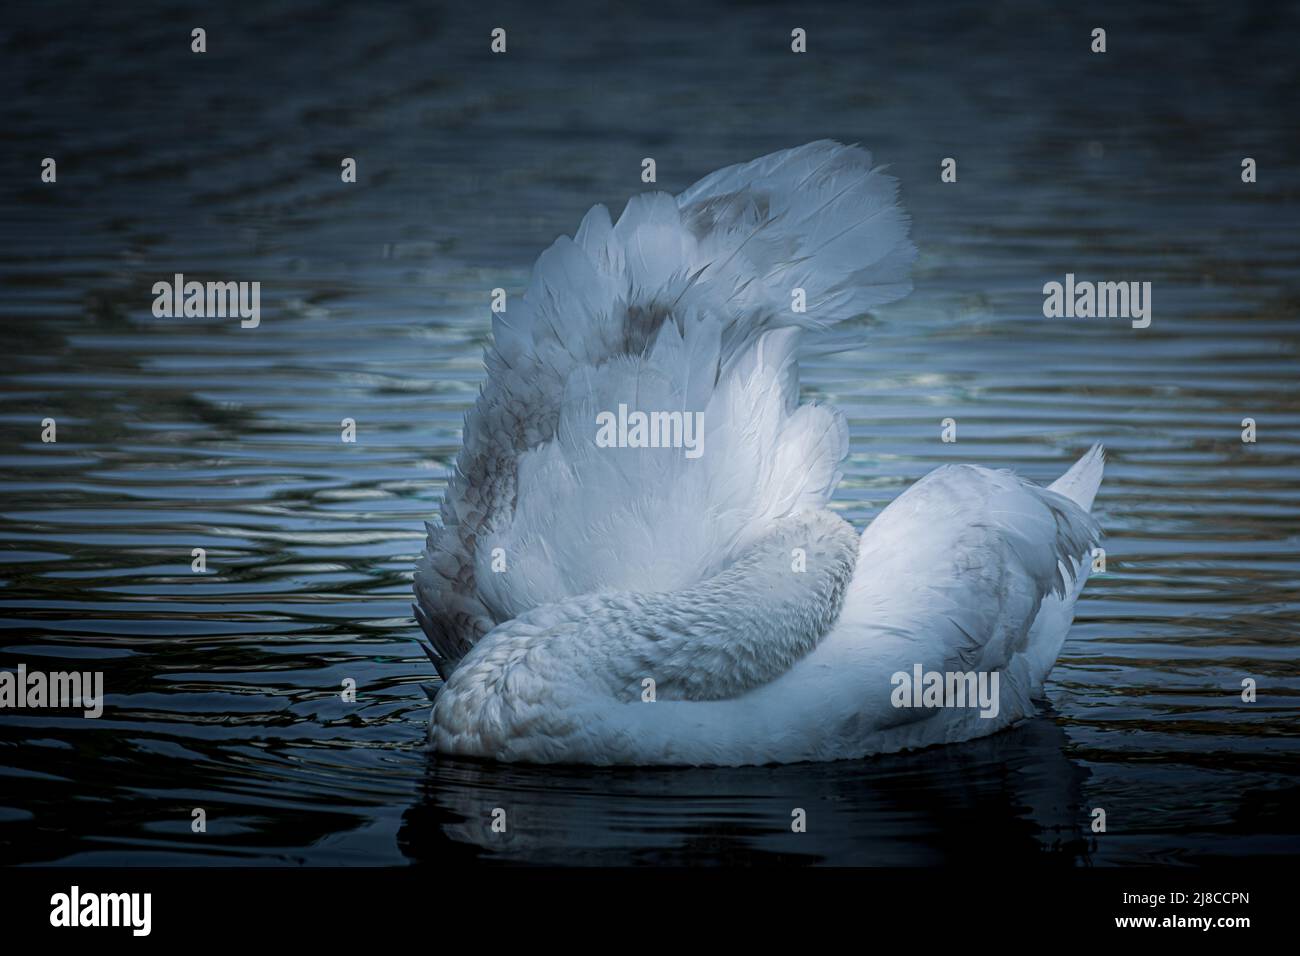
961,564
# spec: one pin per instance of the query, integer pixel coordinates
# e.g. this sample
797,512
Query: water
223,690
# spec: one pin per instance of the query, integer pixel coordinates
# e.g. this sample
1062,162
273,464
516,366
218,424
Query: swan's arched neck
533,676
747,624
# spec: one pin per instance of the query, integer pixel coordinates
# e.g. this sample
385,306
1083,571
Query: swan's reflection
1012,795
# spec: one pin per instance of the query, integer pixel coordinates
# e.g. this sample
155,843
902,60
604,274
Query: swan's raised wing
684,306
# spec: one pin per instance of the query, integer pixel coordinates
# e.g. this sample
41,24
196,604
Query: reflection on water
223,689
1012,794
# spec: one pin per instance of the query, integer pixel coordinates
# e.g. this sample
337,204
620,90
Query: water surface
174,434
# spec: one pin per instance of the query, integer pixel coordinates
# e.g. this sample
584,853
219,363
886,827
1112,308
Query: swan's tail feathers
1081,482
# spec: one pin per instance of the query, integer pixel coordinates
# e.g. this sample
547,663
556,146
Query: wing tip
1081,482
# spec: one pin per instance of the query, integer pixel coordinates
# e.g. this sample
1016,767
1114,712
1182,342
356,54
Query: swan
619,603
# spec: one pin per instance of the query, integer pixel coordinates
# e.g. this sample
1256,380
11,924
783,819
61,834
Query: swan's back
683,306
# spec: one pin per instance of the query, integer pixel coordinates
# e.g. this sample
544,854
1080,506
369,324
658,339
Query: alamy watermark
212,300
946,689
24,689
76,908
651,430
1102,300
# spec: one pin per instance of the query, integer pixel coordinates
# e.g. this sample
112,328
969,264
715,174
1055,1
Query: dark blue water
223,689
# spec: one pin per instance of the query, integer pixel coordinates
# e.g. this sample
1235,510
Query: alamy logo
211,300
651,430
1103,300
23,688
103,909
946,689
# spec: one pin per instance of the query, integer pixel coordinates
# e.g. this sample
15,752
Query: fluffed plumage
768,627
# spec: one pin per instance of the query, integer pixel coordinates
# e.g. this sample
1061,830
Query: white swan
566,575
